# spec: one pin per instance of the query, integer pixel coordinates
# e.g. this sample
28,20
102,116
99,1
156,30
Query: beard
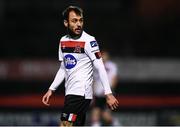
73,34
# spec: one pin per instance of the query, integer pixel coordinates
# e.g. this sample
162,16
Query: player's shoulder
87,37
63,38
90,40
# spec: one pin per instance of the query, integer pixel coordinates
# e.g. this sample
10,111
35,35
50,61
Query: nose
78,23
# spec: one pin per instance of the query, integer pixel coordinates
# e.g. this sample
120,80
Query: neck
73,36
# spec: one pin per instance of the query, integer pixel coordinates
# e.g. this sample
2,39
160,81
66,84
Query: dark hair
76,9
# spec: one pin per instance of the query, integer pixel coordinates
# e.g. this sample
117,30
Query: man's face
75,23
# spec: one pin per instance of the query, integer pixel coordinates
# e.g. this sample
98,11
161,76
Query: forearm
98,64
58,78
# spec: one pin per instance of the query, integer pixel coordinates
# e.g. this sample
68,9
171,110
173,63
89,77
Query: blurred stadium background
142,36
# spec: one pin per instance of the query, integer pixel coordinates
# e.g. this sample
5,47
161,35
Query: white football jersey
77,56
111,70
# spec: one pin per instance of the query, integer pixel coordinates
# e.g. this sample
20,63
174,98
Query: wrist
50,90
108,95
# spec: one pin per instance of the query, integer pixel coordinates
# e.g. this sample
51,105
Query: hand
46,97
112,101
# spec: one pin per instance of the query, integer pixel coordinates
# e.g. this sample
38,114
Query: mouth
78,30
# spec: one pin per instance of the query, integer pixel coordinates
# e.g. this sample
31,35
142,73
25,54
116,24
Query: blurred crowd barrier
129,69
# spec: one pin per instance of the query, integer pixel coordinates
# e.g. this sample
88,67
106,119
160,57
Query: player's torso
78,65
73,53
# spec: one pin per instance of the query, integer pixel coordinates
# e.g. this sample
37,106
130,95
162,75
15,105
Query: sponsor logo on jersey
70,61
93,44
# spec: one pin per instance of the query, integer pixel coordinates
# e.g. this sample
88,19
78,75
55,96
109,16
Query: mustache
79,28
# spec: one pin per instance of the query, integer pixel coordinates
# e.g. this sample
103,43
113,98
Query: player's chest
73,50
72,47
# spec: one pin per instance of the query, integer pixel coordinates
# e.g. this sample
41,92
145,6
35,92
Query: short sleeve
92,50
60,53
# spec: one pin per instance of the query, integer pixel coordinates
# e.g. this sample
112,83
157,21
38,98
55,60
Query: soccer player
101,115
78,54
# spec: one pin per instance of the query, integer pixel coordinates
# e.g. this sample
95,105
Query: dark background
130,29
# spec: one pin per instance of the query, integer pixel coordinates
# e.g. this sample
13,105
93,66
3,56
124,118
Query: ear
65,23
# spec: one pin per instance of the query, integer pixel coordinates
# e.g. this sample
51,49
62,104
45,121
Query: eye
74,20
81,20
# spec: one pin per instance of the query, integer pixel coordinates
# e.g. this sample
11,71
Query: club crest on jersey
77,49
70,61
93,44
